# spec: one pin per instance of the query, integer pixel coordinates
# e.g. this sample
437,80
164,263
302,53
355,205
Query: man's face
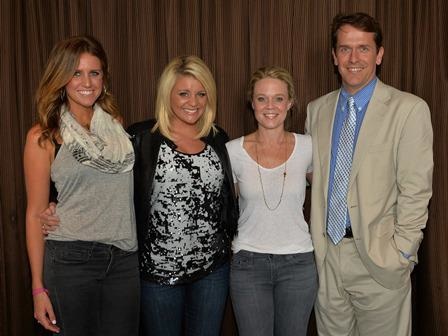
356,57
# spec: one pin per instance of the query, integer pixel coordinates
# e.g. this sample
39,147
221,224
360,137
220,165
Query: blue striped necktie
337,211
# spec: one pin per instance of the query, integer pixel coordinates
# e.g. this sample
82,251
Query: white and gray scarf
106,147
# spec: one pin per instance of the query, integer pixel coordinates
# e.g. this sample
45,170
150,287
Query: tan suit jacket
390,181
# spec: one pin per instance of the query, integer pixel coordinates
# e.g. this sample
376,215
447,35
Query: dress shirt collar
362,97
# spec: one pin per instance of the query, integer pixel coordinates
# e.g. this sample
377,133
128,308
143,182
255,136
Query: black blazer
146,147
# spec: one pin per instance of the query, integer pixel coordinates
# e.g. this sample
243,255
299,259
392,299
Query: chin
191,122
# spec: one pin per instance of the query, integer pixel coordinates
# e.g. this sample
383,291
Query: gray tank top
92,205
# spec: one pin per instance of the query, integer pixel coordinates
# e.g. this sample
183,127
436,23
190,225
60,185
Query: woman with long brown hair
84,272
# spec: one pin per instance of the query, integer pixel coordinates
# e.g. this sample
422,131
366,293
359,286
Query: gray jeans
273,294
94,288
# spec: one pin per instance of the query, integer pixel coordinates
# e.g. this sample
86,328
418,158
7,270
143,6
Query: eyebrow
98,69
358,45
275,94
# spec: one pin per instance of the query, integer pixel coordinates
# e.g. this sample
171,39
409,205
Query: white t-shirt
279,231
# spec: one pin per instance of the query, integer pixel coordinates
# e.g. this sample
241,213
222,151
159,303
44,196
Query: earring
104,90
62,94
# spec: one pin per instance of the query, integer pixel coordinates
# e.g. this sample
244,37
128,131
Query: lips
355,69
270,115
190,111
86,92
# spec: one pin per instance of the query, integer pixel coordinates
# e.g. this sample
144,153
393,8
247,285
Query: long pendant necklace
261,180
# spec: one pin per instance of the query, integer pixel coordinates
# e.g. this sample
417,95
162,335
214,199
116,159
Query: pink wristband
37,291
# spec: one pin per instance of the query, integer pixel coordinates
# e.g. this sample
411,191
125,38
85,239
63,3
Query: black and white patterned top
186,239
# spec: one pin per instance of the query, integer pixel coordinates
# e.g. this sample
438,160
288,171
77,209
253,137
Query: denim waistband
272,255
92,246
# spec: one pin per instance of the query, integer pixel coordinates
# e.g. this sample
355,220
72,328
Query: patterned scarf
106,147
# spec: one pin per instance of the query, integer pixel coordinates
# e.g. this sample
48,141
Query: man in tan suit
372,160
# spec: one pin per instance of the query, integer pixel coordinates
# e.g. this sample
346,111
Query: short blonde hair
185,66
275,72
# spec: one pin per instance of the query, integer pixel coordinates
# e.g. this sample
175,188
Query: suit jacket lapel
373,119
324,134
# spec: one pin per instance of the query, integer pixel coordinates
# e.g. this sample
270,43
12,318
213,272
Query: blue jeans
193,309
94,288
273,294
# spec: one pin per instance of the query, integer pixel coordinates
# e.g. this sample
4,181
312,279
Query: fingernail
53,322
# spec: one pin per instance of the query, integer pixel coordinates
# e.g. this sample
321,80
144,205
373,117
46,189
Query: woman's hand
43,312
49,219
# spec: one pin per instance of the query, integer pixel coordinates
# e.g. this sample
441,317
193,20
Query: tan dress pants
350,302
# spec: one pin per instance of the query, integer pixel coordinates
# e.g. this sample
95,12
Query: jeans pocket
306,258
69,252
241,260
